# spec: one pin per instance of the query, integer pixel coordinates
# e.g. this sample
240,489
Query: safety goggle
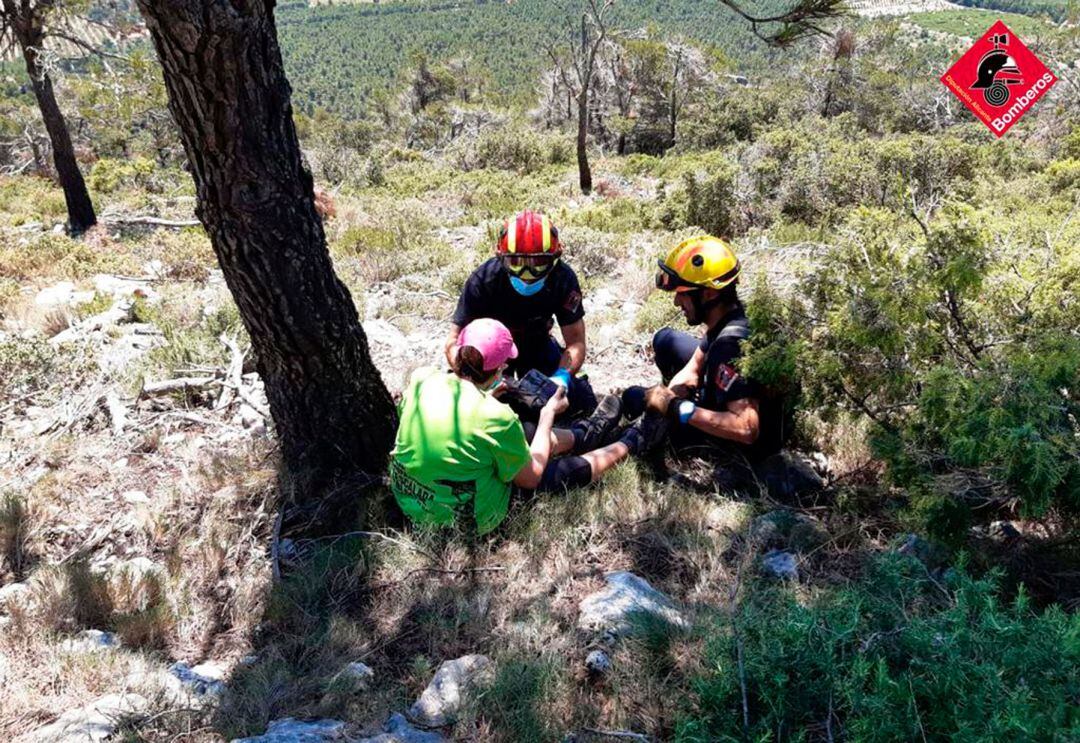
529,265
667,280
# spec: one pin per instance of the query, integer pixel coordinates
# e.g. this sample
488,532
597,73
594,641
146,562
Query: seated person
709,404
526,287
459,450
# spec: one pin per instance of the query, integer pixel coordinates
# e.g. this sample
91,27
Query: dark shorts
563,473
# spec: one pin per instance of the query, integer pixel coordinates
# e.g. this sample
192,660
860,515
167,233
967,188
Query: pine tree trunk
584,172
229,95
80,209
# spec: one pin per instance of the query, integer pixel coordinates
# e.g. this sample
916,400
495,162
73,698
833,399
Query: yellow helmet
702,262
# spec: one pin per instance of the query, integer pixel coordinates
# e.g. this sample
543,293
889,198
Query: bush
898,656
107,174
969,380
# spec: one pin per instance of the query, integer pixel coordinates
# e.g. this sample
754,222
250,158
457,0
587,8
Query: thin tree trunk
80,209
229,95
584,172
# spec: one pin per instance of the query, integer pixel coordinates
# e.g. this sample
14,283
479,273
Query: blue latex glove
562,376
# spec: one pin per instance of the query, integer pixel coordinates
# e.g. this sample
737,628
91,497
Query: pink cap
492,339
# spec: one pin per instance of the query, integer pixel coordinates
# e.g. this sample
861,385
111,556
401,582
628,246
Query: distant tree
579,55
228,93
27,24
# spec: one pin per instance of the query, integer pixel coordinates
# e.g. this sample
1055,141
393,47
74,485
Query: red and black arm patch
726,376
572,302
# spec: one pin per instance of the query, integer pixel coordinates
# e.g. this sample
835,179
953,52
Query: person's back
456,453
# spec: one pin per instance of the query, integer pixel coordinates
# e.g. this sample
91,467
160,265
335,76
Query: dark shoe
633,401
646,434
599,428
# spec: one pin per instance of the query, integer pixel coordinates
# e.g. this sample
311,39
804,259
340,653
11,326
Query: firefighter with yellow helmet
706,399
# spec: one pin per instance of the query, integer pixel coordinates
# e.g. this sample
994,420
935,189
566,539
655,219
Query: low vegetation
911,284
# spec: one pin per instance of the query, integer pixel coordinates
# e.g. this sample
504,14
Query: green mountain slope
339,56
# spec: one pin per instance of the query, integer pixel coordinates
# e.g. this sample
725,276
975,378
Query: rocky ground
142,599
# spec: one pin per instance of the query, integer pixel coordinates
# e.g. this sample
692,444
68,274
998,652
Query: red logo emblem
999,79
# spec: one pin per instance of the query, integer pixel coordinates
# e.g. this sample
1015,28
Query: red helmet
529,233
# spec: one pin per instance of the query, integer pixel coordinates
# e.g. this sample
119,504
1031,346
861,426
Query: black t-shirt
721,381
488,293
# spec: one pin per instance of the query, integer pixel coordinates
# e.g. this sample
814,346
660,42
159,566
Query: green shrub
107,174
897,656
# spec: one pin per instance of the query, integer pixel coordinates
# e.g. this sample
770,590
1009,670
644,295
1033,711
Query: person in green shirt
459,451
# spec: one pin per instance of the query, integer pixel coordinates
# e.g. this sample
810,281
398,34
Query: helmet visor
529,266
668,280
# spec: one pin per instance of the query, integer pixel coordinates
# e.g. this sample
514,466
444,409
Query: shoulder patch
726,375
572,303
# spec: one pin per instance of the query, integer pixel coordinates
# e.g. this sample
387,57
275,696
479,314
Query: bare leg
562,441
601,460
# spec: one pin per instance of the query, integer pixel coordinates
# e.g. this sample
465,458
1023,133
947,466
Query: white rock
56,295
94,722
135,496
398,730
91,641
117,287
448,691
780,565
14,594
197,683
598,662
385,333
249,416
626,595
291,730
353,677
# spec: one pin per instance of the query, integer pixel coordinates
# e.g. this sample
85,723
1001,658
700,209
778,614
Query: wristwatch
683,410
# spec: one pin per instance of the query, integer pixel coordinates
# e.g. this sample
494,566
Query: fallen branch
150,220
180,384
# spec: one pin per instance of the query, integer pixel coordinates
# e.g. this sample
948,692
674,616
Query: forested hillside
906,569
341,56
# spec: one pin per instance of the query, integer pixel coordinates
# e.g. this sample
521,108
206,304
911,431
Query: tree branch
797,23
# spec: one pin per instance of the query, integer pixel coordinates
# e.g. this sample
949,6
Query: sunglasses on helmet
529,265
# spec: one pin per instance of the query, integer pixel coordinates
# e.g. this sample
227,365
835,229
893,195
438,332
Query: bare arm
687,378
540,448
451,344
738,423
574,356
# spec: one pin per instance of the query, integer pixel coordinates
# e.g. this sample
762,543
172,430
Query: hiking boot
646,434
633,401
598,429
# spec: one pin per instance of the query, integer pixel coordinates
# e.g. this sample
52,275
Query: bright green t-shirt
457,449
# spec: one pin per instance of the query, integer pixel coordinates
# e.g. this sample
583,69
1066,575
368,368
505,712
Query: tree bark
80,209
229,95
584,172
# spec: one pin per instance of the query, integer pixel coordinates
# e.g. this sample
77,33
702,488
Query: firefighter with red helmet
527,287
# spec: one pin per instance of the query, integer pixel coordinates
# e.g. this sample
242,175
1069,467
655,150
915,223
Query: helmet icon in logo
997,71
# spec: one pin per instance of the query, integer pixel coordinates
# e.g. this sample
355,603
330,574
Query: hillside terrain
907,570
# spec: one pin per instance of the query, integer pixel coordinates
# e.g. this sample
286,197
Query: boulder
204,679
291,730
787,475
598,663
795,530
449,690
352,678
625,597
91,641
57,295
94,722
780,565
398,730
